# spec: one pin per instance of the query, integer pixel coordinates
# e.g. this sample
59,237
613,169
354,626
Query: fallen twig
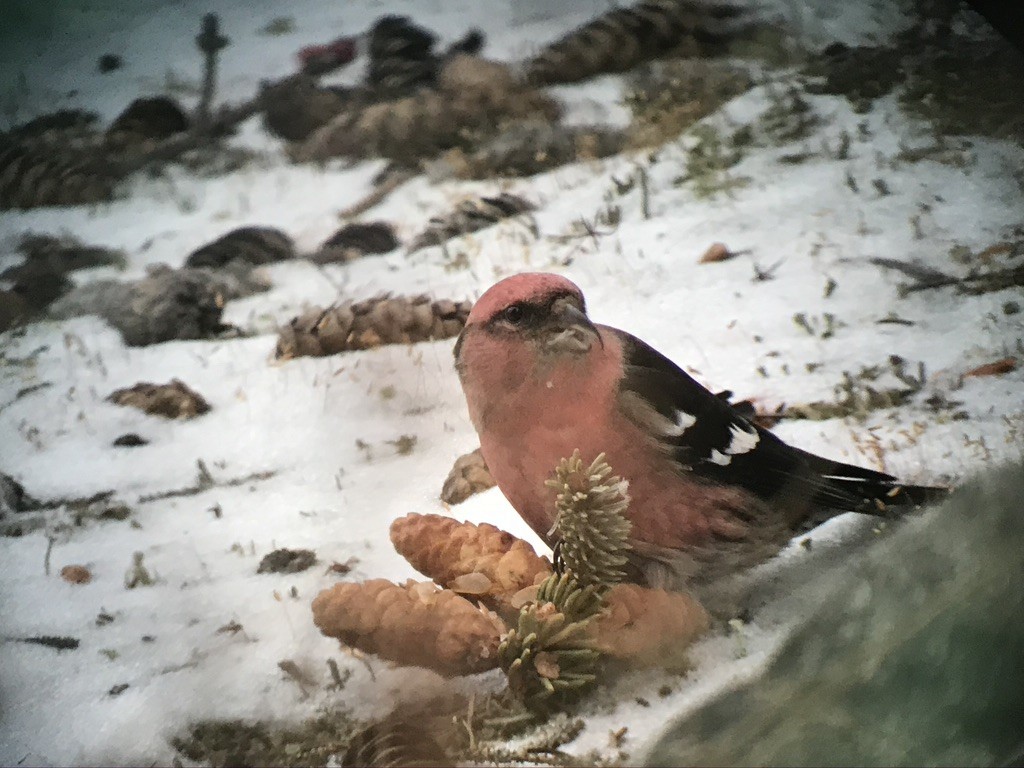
916,271
928,278
204,482
389,184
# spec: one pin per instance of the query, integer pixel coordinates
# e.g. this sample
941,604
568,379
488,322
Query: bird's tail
849,488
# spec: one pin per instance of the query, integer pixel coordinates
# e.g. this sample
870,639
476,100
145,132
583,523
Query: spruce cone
646,626
175,400
371,323
415,624
590,524
470,216
478,560
250,245
624,37
469,476
547,658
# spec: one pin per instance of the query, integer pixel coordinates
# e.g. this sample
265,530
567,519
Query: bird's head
523,321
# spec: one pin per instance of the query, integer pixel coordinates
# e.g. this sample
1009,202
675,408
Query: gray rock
251,245
913,657
167,305
12,496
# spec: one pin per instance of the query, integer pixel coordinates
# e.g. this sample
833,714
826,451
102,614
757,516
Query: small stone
1011,308
130,440
76,574
109,62
157,117
118,689
12,496
996,368
716,252
357,239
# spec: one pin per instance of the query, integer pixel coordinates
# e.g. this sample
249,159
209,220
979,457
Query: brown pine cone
469,476
478,560
371,323
647,626
414,624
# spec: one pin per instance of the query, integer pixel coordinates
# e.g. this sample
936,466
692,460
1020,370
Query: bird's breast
545,419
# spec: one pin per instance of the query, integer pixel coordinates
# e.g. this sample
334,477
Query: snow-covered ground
326,427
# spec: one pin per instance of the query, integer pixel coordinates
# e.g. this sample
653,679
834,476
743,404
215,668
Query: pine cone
478,560
470,216
414,624
623,37
646,626
474,98
469,476
250,245
371,323
36,176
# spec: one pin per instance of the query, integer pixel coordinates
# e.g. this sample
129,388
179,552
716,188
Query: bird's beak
570,331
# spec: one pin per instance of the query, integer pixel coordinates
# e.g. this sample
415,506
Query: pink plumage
710,492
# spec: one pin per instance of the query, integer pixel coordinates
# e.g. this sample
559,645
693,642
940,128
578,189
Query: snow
325,427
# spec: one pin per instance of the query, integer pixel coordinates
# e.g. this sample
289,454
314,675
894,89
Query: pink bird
711,492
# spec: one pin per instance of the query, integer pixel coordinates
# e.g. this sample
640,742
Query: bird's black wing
717,442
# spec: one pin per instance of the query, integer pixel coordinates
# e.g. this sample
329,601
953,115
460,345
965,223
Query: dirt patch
529,147
175,400
861,73
287,561
968,87
667,97
709,161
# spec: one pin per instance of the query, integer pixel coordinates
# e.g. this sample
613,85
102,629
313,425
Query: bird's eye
514,314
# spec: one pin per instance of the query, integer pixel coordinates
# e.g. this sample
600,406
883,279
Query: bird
711,493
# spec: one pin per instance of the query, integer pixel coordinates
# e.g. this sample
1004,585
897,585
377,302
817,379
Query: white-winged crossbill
710,491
